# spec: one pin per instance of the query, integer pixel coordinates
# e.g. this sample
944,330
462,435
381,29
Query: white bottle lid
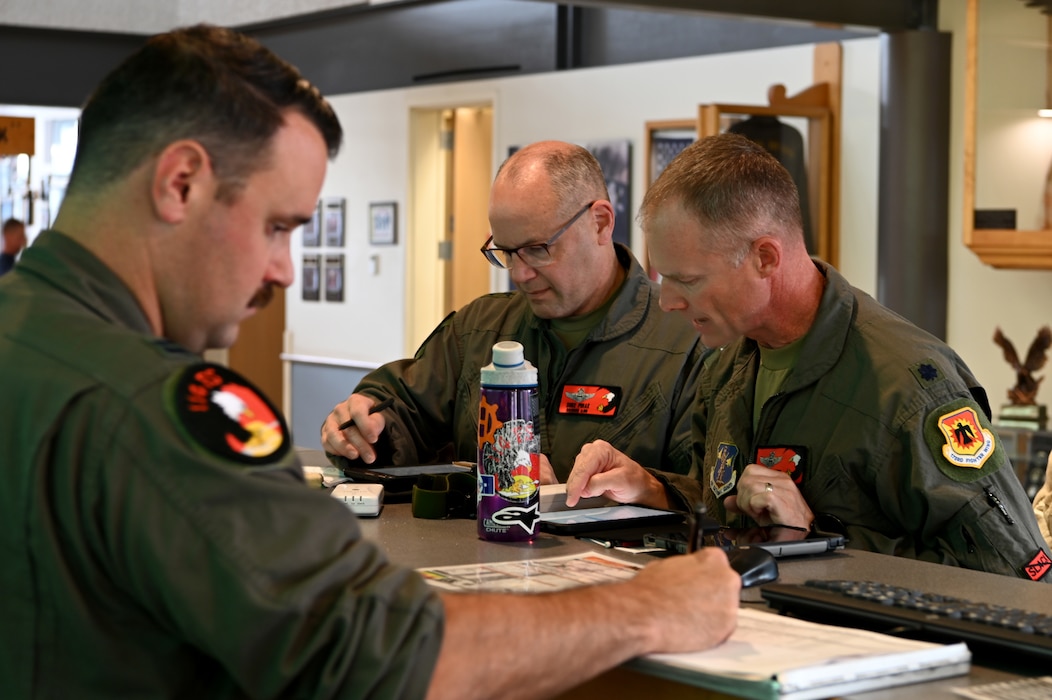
509,366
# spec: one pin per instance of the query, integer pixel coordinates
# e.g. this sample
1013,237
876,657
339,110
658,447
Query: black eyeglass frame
491,252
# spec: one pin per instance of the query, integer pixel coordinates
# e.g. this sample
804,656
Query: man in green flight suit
820,406
158,537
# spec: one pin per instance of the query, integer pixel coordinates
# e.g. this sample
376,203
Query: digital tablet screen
605,518
417,469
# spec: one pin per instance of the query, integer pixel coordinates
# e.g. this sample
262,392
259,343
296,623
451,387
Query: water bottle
509,448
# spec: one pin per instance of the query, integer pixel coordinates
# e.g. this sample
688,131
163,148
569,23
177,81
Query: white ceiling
152,16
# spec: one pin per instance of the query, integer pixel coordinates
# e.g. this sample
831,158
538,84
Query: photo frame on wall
312,229
334,277
311,278
615,158
333,219
383,223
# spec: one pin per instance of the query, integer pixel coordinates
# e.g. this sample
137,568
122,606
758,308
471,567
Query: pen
386,403
694,537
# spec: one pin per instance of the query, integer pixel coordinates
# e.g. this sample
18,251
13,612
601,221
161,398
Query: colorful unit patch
968,444
585,400
1038,566
227,416
723,477
788,459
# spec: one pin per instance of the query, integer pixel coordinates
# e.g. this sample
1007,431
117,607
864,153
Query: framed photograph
615,158
311,278
312,229
334,277
333,221
383,223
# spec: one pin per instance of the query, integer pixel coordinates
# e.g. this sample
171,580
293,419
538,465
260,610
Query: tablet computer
779,540
575,522
401,479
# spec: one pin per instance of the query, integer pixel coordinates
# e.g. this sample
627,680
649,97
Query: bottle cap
509,366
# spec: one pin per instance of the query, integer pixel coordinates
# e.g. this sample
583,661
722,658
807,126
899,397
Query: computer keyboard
916,613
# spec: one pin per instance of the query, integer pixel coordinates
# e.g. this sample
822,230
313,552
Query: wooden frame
1002,248
812,105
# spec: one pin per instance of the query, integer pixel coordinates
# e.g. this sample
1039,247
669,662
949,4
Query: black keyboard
915,613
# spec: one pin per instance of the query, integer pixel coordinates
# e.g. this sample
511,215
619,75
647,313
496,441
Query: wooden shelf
1012,249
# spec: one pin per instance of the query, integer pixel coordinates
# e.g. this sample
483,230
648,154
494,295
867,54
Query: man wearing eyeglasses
611,365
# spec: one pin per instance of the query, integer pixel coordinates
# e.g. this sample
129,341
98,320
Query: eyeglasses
534,255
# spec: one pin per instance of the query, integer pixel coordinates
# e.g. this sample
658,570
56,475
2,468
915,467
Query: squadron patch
961,443
723,477
790,459
224,414
589,400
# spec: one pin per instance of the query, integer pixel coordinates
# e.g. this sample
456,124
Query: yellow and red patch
967,443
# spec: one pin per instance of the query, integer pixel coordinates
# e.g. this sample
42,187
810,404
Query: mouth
262,297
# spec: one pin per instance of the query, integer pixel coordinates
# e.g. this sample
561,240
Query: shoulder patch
926,372
962,444
1037,567
225,415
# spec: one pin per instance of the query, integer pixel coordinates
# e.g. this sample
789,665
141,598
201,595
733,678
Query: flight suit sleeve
960,496
229,552
419,426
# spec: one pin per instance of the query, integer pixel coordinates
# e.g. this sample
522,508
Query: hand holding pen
355,436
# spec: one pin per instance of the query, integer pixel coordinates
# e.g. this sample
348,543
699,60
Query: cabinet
1007,146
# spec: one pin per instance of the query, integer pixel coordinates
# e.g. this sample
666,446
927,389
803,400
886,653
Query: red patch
788,459
585,400
1038,566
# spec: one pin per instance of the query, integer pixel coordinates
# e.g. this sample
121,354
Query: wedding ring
767,487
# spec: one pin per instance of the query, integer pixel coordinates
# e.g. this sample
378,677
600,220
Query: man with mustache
610,364
158,538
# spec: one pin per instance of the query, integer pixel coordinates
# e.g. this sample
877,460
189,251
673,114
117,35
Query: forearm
532,646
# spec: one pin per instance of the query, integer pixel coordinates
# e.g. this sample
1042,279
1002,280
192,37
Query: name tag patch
590,400
789,459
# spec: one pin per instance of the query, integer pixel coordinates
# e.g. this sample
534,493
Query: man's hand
547,472
770,498
600,470
357,440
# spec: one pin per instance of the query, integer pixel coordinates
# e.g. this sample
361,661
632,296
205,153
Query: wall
581,105
981,297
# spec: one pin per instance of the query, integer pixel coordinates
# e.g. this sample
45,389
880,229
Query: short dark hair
730,184
213,85
10,224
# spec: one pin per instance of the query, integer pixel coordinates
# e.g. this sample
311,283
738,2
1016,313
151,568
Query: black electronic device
592,520
909,612
754,564
397,480
781,541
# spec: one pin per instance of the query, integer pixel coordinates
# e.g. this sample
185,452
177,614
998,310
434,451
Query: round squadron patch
223,413
963,445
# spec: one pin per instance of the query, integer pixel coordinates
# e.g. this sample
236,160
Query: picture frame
334,277
333,220
311,278
312,229
383,223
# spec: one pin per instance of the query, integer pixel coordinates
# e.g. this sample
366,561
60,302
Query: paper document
532,575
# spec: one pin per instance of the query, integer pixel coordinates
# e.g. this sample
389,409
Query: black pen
386,403
694,536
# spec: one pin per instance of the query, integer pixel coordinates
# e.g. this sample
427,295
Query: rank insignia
967,443
788,459
223,413
926,373
1038,566
723,477
589,400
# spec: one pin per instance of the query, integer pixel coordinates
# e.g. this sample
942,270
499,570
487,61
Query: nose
669,300
281,271
519,271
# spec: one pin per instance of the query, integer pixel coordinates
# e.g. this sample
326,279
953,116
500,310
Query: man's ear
767,253
603,215
183,170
